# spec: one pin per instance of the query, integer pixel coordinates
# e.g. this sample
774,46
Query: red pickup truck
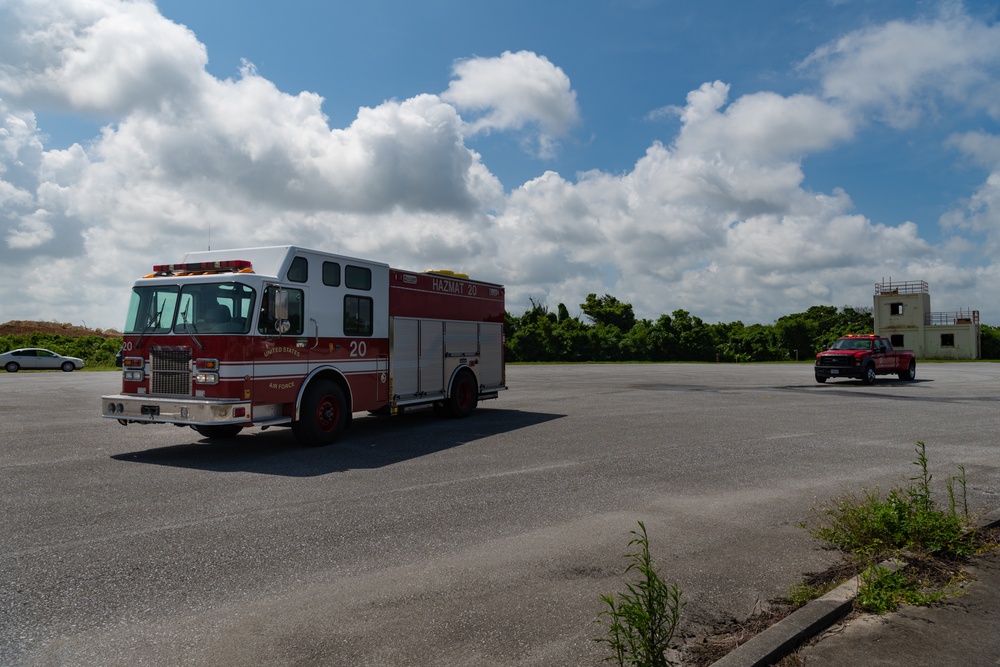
864,357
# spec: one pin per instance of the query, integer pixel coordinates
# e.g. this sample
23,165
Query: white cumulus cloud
903,69
515,90
714,219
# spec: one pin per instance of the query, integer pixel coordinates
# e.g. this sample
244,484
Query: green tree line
610,331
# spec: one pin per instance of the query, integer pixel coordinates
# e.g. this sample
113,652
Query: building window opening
895,309
948,340
896,340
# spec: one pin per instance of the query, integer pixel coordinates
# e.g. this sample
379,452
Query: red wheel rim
327,413
464,394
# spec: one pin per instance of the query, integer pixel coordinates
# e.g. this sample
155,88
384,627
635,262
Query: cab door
281,348
883,360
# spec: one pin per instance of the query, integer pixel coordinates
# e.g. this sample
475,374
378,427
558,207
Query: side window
357,315
357,277
331,274
298,272
897,340
296,310
948,340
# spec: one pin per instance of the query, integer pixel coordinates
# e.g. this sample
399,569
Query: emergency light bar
235,265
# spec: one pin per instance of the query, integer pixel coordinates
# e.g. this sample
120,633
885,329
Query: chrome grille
836,360
171,370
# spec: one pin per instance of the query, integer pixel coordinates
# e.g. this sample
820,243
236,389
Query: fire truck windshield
151,309
194,308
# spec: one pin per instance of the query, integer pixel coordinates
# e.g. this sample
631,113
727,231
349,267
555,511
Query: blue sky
737,160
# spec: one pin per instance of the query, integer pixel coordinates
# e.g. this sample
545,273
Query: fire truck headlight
134,376
206,378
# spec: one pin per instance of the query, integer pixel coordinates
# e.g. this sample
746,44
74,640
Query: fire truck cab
295,337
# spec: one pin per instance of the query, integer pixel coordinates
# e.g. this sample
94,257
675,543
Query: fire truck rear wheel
464,395
910,373
323,414
219,432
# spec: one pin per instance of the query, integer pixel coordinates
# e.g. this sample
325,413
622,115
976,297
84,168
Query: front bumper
839,371
190,411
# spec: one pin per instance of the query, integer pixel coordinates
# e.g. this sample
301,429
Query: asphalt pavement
419,541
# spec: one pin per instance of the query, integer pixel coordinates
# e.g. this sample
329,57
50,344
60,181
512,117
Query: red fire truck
295,337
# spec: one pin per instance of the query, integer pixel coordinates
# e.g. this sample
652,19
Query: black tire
820,379
910,373
323,415
219,431
869,376
68,367
464,395
12,367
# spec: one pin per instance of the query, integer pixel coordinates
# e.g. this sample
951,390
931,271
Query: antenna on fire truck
209,235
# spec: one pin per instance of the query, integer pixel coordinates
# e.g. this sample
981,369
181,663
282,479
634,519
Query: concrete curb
788,634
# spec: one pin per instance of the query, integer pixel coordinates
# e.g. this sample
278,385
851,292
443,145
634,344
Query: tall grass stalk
641,621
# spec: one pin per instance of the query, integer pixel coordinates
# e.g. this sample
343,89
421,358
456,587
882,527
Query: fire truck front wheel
464,395
323,414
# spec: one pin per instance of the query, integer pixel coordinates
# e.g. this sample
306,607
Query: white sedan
36,358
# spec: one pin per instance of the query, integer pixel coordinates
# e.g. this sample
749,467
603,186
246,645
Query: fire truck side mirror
279,314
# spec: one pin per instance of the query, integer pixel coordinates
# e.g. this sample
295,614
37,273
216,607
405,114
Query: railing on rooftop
952,319
904,287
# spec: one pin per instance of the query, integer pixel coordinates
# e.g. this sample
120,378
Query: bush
96,351
907,519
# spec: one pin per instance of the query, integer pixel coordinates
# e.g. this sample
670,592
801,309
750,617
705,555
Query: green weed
641,620
907,519
881,590
907,524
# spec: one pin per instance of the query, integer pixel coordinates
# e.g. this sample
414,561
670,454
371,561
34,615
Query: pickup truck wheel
869,376
910,373
323,415
820,379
